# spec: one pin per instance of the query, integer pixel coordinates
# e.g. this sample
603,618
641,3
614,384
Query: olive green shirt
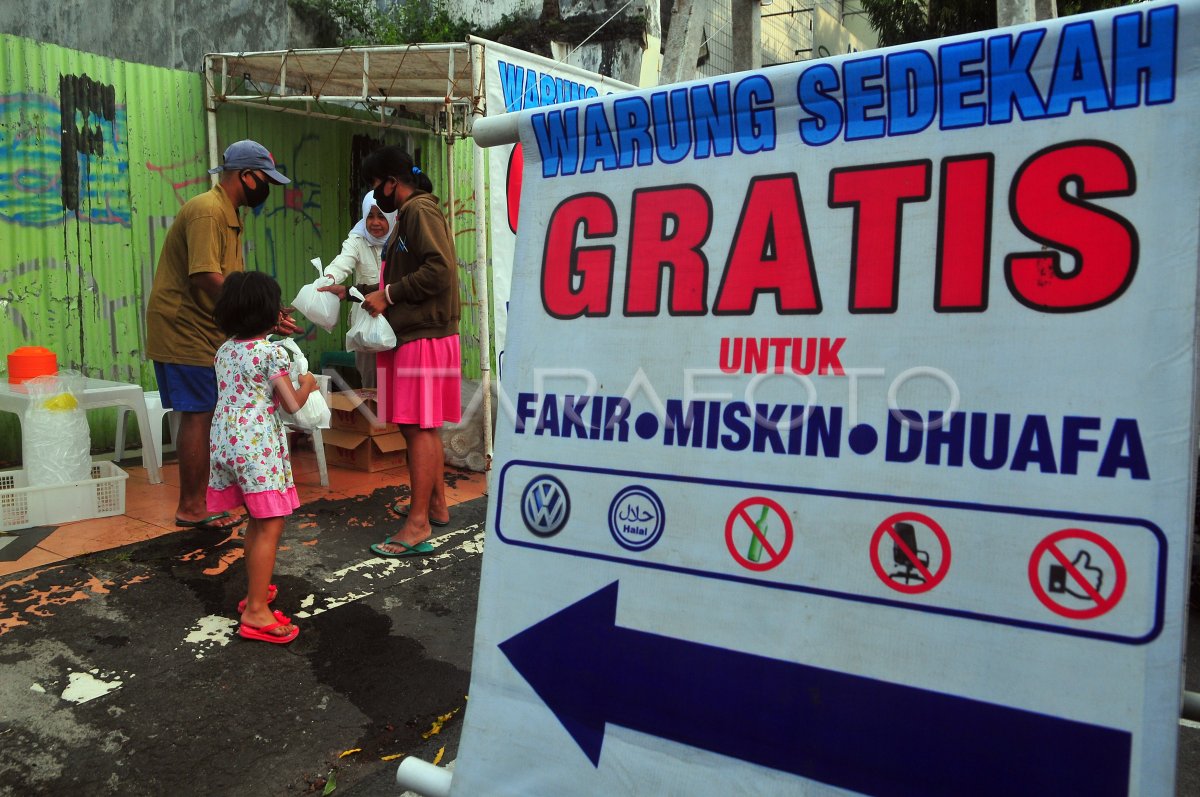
205,237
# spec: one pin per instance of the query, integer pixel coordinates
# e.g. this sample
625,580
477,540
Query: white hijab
360,229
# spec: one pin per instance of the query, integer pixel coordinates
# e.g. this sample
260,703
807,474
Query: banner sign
515,80
845,442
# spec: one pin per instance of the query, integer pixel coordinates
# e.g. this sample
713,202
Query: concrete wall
486,15
170,33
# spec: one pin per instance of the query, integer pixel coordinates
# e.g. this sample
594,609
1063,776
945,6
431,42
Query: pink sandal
272,591
262,633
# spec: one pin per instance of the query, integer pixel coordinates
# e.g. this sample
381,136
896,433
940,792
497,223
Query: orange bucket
28,362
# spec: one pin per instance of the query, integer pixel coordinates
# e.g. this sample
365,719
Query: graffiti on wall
301,196
64,157
186,177
462,214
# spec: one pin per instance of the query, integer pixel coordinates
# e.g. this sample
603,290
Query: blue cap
247,154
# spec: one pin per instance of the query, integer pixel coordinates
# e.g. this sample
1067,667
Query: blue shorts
187,388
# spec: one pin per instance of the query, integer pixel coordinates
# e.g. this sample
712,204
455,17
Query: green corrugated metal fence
96,157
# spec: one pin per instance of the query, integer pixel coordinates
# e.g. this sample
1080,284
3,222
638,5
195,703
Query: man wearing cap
203,246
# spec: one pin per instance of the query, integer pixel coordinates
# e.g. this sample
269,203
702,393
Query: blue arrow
856,733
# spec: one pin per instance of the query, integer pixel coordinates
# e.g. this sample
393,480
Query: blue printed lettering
555,132
1078,72
672,125
864,94
912,94
755,116
1151,57
598,146
1010,69
959,83
825,121
632,117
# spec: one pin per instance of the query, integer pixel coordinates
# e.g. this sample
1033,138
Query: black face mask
384,200
257,191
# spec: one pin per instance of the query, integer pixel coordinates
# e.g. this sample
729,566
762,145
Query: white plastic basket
22,506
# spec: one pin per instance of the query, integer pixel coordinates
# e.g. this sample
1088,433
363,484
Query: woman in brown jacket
420,380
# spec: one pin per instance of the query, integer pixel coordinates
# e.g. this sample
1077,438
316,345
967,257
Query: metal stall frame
394,87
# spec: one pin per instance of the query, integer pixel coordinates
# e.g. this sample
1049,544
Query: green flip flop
207,524
420,549
402,510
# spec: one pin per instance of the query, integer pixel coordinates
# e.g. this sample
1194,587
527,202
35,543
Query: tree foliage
347,23
906,21
360,22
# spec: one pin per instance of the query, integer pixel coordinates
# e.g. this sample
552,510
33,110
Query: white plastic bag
367,333
315,413
56,441
322,308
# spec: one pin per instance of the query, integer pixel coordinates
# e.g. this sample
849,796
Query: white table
96,393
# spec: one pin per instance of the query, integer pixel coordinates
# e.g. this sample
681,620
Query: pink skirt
420,383
269,503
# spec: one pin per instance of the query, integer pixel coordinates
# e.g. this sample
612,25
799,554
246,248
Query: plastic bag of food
315,413
367,333
320,307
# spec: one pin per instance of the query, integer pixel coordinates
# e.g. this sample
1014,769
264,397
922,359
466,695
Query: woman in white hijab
360,258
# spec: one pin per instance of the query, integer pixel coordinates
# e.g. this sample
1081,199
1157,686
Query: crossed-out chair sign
907,572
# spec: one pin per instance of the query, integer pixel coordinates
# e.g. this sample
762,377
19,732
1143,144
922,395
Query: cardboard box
356,411
358,451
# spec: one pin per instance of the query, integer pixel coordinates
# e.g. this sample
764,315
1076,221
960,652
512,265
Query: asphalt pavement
120,672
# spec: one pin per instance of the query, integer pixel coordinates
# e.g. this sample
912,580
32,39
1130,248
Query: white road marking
356,579
85,686
209,632
382,567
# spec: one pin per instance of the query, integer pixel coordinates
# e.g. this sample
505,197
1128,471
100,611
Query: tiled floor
150,508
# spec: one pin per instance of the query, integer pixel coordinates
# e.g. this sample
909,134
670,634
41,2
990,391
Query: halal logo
636,518
545,506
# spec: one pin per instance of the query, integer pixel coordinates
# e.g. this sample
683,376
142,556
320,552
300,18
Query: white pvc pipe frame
475,102
424,778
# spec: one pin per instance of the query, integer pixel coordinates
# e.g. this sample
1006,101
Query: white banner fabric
515,80
846,436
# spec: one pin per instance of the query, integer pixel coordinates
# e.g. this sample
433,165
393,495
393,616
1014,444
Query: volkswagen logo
545,506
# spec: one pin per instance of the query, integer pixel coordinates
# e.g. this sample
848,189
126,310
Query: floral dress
249,461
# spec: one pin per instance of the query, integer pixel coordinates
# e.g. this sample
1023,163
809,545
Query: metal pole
382,99
381,122
381,48
211,112
481,247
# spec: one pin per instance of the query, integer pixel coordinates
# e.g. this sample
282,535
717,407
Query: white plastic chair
156,411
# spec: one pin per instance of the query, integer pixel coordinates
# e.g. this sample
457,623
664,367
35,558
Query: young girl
248,445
